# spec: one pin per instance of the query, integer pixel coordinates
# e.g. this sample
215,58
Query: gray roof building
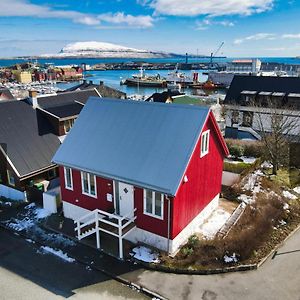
26,138
66,98
145,144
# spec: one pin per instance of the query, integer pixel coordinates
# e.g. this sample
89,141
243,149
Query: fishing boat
181,78
144,80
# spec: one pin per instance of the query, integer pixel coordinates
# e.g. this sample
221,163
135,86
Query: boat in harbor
144,80
177,77
208,85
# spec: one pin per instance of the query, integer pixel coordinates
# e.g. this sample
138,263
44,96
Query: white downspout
169,225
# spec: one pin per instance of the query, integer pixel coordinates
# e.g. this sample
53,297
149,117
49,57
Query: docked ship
180,78
144,80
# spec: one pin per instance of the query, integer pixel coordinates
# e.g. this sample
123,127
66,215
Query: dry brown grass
257,232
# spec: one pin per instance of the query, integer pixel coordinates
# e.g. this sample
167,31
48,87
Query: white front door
126,199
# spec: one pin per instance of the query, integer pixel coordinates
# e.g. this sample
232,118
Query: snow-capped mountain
105,50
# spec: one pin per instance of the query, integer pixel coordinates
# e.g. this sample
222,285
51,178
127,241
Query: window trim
204,135
71,178
153,215
70,123
89,185
8,178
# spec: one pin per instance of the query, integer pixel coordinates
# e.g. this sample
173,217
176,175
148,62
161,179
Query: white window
68,178
204,143
88,183
11,178
153,204
68,124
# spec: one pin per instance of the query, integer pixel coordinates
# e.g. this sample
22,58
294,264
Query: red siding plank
104,186
204,182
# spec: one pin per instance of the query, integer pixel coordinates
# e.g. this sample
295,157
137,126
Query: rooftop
140,143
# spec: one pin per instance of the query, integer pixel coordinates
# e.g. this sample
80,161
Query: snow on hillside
104,50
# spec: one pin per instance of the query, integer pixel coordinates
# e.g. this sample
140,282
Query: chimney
84,81
33,98
91,81
101,83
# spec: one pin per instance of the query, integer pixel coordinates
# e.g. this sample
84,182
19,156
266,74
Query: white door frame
117,201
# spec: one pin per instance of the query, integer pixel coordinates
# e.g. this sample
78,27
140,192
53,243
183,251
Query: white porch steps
98,221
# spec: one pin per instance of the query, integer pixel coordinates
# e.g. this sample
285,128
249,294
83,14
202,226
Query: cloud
269,37
291,36
208,7
256,37
23,8
206,23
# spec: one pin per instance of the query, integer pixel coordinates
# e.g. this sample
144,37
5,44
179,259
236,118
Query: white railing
11,193
96,217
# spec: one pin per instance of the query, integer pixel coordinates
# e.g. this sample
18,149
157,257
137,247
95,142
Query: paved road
27,274
277,279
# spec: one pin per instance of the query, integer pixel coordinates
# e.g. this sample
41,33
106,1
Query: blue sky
249,28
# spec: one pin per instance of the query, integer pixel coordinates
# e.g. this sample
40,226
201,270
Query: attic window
204,143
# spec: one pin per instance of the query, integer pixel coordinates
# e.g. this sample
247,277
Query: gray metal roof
65,98
144,144
26,137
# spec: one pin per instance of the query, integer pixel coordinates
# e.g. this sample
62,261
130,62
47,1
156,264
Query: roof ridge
172,106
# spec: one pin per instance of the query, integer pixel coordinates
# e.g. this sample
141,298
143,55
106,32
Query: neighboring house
176,97
61,109
23,76
146,172
247,104
5,94
27,145
164,97
104,90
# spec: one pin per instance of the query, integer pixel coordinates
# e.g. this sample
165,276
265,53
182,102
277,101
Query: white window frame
66,180
153,205
70,123
204,140
89,185
9,177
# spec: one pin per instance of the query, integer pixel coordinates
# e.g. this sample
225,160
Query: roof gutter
37,172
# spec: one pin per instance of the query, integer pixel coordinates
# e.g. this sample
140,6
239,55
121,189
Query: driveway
277,279
28,273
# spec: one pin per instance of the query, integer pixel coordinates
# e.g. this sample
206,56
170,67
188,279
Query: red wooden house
146,172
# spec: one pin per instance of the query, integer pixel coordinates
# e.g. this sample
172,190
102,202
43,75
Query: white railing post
78,229
120,239
97,230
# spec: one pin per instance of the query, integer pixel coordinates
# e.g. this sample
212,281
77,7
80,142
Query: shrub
237,168
236,150
193,240
249,148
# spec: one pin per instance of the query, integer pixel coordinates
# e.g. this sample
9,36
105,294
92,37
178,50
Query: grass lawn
286,177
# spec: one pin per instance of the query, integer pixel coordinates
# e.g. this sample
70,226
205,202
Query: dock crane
212,55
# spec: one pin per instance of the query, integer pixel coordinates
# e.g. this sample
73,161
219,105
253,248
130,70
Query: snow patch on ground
58,253
266,165
248,160
246,199
289,195
230,259
145,254
28,219
286,206
20,225
214,223
297,189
